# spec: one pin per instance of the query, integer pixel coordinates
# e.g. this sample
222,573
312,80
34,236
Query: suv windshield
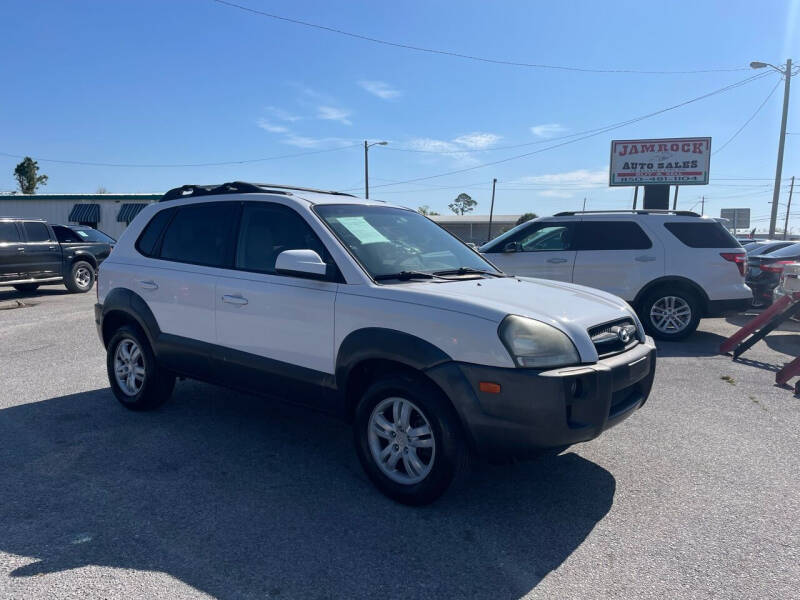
388,241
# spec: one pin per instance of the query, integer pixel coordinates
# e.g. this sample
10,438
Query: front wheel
81,277
670,314
409,440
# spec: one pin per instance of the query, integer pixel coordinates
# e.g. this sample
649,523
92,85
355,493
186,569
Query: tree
463,204
27,175
526,217
426,210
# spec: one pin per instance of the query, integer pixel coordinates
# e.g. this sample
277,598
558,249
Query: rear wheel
136,379
81,277
26,287
409,440
670,314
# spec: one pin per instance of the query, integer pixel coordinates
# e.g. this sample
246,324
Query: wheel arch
122,306
675,282
85,257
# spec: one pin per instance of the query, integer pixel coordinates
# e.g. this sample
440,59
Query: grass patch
728,379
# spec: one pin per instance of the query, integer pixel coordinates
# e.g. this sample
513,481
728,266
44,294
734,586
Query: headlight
536,344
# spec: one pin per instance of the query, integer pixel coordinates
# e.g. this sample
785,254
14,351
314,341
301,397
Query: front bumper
540,410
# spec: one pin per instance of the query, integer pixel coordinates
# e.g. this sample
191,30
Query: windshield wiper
468,271
405,275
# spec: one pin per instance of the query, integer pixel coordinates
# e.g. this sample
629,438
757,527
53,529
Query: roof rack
238,187
648,211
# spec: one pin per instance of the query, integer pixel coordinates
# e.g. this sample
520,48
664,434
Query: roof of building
475,218
76,197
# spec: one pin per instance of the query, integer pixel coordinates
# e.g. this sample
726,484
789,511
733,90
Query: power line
172,166
450,53
589,133
746,123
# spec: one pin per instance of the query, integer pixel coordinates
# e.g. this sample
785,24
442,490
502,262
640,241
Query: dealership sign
674,161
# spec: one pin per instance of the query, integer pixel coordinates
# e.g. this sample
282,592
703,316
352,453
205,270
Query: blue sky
194,81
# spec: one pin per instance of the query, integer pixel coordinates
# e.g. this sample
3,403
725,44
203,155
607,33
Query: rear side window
147,243
36,232
703,235
787,252
8,233
611,235
65,235
202,234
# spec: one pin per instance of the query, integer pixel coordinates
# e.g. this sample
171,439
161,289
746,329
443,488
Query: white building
110,213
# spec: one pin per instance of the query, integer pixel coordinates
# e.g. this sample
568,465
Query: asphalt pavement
221,494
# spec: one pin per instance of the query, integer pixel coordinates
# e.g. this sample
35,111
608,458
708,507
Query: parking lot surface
226,495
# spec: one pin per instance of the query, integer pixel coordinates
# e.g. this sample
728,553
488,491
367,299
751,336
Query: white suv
673,267
371,312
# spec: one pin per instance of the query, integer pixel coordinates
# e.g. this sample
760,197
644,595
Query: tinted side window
201,234
148,240
703,235
266,230
65,235
8,233
611,235
36,232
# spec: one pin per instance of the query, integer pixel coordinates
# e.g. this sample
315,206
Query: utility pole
635,196
584,204
787,74
703,205
491,209
788,208
675,198
366,164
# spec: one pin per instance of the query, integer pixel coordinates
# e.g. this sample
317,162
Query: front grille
606,337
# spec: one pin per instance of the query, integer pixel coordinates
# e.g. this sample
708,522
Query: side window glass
148,240
266,230
36,232
9,233
201,234
612,235
65,235
549,237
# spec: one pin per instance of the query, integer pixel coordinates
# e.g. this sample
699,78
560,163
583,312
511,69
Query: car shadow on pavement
240,497
12,294
700,343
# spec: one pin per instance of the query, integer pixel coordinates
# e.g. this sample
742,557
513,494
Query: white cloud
302,141
579,177
329,113
282,115
431,145
266,125
477,141
381,89
547,130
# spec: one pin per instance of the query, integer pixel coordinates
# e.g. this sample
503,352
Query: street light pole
788,208
787,73
366,165
491,210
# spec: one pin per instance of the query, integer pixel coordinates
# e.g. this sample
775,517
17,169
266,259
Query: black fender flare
372,343
674,280
132,305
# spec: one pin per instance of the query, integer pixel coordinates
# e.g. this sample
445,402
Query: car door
277,329
11,252
616,256
179,284
42,255
543,249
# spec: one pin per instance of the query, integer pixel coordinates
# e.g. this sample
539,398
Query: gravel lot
225,495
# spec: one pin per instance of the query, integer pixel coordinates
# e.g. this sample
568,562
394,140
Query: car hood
572,308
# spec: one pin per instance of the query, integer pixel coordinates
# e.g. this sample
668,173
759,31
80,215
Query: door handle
235,300
20,249
51,247
556,261
645,258
148,285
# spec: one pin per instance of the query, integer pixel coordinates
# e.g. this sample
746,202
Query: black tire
688,298
157,384
450,459
81,277
26,287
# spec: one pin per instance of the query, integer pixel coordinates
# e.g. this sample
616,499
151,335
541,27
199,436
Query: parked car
790,274
673,267
371,312
766,246
33,253
764,272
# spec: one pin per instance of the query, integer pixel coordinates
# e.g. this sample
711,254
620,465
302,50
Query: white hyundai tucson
371,312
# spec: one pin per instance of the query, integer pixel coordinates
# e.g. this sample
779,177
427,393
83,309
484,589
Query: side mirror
511,247
301,263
